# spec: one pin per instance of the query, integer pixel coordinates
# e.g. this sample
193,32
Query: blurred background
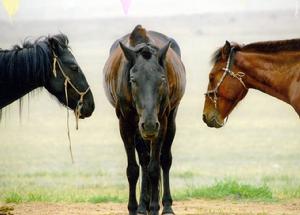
259,144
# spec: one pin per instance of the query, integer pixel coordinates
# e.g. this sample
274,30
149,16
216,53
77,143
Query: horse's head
67,81
225,88
148,86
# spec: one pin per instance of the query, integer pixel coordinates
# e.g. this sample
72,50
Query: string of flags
11,7
126,4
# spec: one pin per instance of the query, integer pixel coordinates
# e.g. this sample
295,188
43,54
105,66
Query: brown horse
271,67
145,80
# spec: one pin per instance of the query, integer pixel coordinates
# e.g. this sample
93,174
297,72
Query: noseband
68,81
227,70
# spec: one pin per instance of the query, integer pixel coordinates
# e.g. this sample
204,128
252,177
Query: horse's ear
129,53
53,44
226,50
162,53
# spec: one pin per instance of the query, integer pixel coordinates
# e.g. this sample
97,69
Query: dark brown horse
144,80
271,67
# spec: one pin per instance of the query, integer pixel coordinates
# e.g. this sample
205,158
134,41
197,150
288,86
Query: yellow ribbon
11,7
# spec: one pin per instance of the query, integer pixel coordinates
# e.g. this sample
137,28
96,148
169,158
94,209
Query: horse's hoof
142,213
168,211
142,210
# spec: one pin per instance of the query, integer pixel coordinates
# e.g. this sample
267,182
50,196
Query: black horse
145,83
46,62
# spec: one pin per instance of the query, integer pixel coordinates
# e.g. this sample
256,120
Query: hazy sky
74,9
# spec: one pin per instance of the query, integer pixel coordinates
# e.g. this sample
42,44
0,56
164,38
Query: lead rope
68,121
79,106
79,103
67,101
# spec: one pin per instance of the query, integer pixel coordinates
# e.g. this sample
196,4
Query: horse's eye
211,78
74,67
132,80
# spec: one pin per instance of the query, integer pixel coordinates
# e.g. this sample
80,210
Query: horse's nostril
156,126
204,118
150,127
92,105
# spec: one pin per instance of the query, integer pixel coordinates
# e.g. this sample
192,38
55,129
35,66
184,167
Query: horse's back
161,37
111,74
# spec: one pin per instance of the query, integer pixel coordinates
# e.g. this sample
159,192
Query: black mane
30,62
262,47
216,56
26,67
273,46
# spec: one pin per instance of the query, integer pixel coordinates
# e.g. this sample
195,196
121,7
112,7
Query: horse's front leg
143,150
127,133
154,168
166,162
295,96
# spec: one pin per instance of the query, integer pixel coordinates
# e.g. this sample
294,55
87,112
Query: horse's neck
16,84
9,93
270,73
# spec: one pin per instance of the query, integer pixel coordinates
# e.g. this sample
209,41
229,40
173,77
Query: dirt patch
6,210
193,207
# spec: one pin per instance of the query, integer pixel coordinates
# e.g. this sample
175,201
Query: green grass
292,193
32,192
108,198
13,197
226,189
54,189
70,197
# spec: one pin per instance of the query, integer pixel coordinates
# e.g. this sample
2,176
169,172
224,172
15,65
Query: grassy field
256,156
227,189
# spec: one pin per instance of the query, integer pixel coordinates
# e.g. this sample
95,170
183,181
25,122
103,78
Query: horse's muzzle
212,122
149,130
87,110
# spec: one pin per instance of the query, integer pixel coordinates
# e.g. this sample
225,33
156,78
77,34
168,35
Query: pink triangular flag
126,5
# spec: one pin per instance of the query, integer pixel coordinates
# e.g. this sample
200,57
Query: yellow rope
79,104
68,121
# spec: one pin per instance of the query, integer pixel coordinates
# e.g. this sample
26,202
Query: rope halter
79,103
227,70
69,82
